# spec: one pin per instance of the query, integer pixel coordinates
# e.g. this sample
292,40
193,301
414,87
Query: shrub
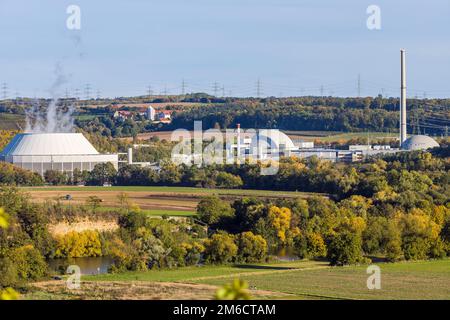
193,253
79,244
29,262
252,248
150,249
8,273
228,180
220,248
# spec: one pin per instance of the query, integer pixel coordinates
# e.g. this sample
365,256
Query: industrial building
66,152
281,144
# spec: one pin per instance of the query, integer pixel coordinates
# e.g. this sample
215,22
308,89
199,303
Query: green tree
102,173
212,209
344,248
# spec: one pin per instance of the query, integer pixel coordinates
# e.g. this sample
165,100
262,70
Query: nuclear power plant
66,152
281,144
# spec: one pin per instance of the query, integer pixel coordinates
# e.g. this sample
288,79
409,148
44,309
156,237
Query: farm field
331,136
280,280
325,136
166,200
9,121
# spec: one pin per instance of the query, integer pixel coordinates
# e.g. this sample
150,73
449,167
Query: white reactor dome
419,142
43,144
275,139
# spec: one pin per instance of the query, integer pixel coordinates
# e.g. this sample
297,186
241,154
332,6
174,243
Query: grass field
313,280
154,200
332,136
184,190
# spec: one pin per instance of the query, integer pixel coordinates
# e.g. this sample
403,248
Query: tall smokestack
403,98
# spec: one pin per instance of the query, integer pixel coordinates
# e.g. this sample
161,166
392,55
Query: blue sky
293,47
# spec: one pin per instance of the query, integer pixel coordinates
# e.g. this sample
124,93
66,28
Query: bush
220,248
344,248
125,257
29,262
79,244
228,180
193,253
150,249
8,273
251,248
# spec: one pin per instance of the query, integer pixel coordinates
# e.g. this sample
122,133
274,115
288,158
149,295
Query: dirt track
135,290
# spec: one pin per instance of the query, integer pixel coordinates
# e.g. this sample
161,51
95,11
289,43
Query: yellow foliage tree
79,244
280,220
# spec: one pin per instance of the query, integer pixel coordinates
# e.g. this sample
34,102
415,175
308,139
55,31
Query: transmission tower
87,91
99,94
149,90
258,88
183,87
5,90
215,88
77,93
321,90
359,85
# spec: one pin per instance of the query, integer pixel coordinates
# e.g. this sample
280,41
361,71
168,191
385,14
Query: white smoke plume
56,118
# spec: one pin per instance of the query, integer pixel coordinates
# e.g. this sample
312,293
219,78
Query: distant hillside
9,121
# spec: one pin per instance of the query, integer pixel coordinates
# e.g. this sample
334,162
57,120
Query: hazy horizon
294,47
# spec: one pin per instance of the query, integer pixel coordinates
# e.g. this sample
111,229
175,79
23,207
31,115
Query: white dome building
270,141
419,142
40,152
